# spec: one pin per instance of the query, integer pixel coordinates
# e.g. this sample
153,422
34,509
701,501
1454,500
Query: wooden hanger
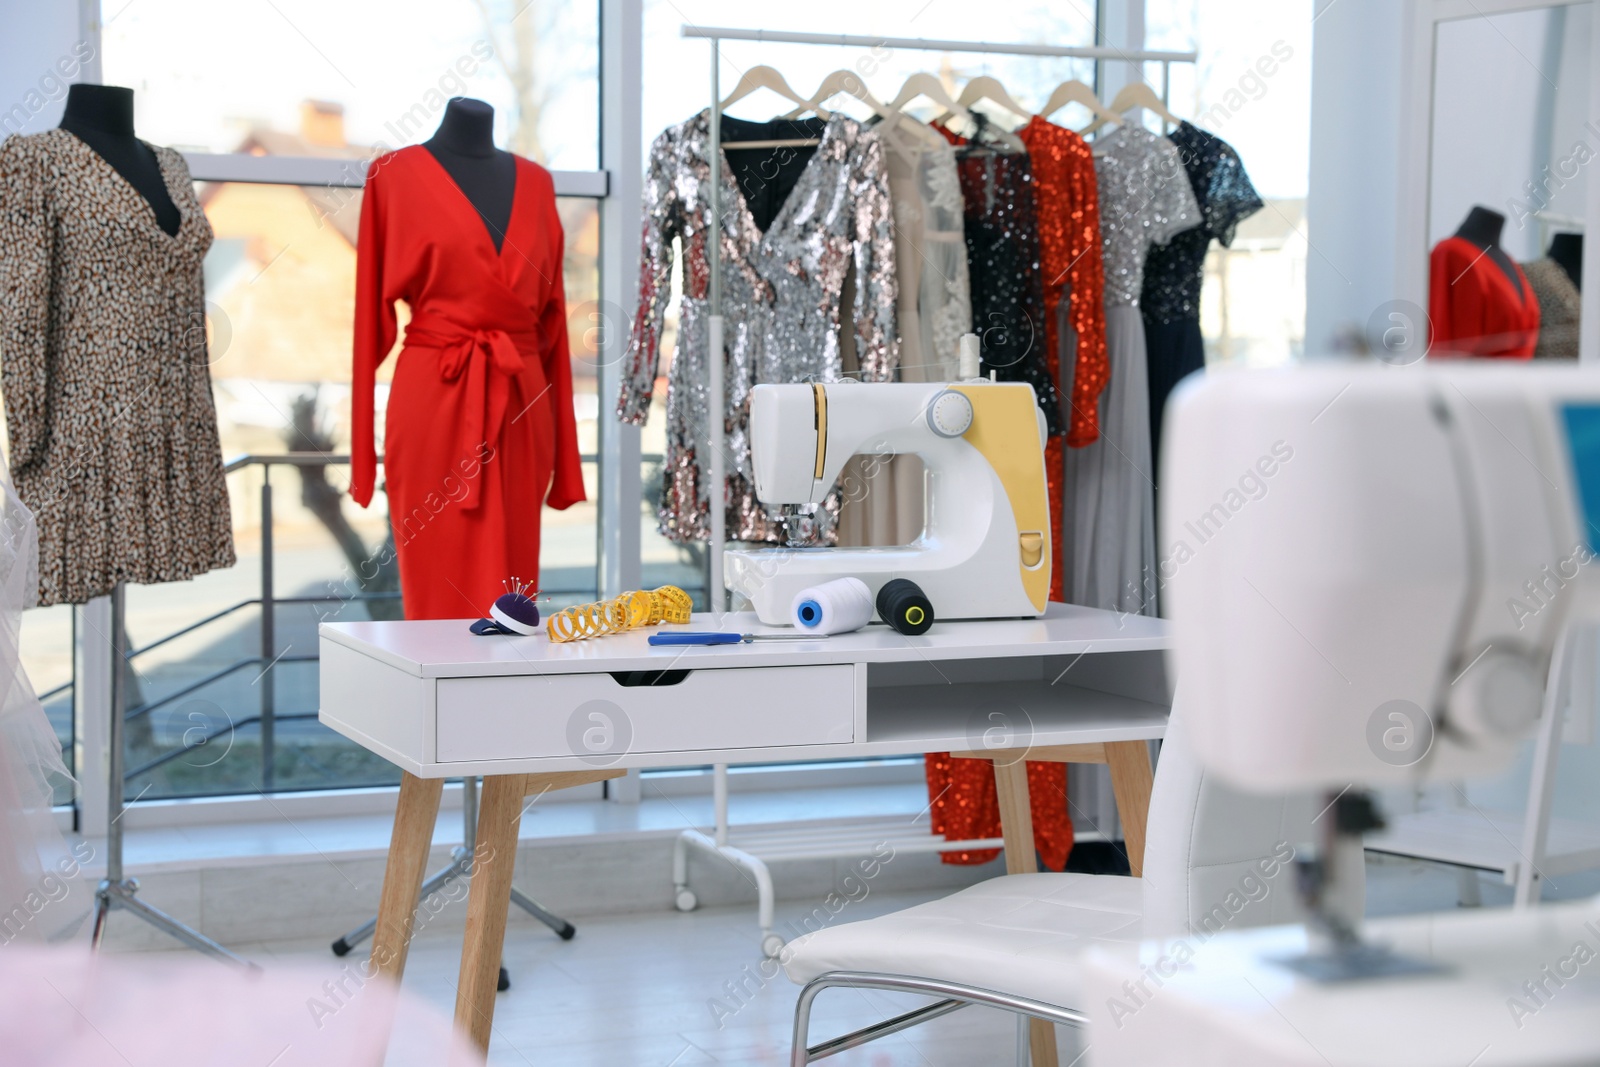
985,87
764,77
848,81
1076,92
1136,95
923,84
840,81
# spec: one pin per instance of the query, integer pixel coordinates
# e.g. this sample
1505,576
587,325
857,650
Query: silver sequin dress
1145,199
782,293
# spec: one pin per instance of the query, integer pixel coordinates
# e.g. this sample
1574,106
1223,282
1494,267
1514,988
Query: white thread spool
835,607
971,358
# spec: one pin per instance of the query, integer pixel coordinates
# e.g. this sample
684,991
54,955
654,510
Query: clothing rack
716,594
854,837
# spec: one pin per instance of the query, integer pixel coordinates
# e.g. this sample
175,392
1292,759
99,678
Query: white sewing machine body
1420,538
984,549
1342,539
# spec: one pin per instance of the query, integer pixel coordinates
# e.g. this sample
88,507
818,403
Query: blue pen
710,637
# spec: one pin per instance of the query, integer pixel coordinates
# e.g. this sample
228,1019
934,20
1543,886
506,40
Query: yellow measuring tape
642,607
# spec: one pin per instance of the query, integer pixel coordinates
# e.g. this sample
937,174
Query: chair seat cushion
1020,934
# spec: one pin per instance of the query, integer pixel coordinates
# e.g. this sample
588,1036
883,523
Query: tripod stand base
111,895
460,867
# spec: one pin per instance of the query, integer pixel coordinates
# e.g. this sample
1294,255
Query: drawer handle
652,678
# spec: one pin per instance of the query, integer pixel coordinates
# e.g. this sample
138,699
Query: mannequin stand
116,891
461,859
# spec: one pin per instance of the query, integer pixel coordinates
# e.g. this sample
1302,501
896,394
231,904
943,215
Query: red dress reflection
480,431
1475,308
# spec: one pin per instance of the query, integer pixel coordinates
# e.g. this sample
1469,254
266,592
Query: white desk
530,715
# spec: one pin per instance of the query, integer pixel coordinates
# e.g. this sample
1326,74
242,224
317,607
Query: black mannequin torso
101,116
486,176
1482,227
1567,250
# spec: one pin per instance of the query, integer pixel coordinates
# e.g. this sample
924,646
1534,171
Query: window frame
617,187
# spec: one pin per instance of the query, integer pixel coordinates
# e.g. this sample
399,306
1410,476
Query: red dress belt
488,358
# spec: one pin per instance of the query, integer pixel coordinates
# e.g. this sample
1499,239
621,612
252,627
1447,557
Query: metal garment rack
750,849
716,594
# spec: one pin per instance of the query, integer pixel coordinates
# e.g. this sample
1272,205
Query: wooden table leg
409,843
1016,816
499,817
1016,826
1131,781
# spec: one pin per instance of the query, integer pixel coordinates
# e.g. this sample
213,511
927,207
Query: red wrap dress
1475,308
480,431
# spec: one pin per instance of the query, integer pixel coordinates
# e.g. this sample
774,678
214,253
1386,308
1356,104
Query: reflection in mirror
1508,183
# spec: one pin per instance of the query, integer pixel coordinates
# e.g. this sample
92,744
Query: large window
214,77
205,705
1251,87
279,105
222,677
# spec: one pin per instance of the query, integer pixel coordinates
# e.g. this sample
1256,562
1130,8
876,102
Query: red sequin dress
1067,205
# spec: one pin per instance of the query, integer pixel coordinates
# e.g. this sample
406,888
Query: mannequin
1482,227
101,116
486,175
1567,250
1471,309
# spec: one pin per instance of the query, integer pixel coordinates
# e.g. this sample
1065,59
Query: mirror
1508,185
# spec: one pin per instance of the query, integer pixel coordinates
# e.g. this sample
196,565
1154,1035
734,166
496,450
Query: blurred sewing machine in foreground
1371,571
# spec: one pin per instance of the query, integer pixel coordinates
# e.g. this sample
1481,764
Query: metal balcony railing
266,715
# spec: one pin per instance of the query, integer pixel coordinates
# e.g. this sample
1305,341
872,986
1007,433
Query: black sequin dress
1174,271
1002,233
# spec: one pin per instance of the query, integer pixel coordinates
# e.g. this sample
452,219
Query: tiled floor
662,989
672,990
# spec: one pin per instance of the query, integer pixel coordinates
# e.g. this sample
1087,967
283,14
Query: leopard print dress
106,371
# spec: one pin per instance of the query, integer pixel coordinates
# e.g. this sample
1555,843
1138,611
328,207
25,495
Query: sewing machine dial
950,414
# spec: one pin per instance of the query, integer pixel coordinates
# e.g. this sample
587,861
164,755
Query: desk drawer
598,717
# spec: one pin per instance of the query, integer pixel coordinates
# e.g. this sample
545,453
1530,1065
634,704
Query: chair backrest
1217,858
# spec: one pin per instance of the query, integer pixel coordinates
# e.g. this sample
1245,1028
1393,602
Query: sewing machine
1372,574
984,551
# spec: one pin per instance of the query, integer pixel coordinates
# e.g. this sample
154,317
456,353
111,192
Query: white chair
1014,942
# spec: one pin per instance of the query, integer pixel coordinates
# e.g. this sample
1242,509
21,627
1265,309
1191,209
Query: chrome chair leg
955,997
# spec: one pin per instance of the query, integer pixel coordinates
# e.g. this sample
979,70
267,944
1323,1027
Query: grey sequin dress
1145,199
782,291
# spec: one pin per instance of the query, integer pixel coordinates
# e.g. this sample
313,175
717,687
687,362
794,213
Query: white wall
1356,79
1510,99
1359,66
37,45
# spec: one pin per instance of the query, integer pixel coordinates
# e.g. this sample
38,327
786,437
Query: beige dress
883,495
1560,309
106,371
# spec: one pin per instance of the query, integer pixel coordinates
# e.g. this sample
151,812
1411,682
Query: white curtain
38,897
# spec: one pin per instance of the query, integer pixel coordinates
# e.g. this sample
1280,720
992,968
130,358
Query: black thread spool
903,605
